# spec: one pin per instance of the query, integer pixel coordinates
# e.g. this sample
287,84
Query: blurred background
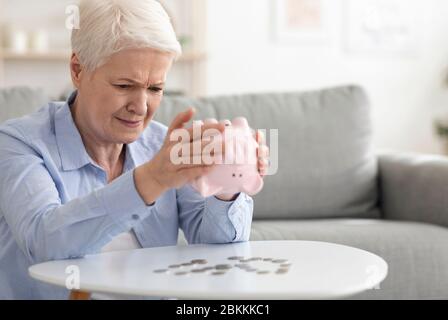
396,49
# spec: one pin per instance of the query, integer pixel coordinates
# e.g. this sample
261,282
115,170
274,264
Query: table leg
79,295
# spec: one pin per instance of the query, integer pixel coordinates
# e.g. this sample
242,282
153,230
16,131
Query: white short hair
110,26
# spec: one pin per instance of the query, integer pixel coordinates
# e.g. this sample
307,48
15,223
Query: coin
242,265
285,265
187,264
208,268
263,272
223,267
218,273
255,259
280,260
251,269
199,261
235,258
198,271
160,271
282,271
267,259
245,260
181,273
174,266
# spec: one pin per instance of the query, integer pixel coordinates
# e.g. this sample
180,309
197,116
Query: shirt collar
70,145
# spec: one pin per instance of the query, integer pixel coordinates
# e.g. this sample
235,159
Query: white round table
318,270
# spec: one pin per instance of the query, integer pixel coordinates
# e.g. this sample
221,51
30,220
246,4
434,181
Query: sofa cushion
19,101
325,168
415,252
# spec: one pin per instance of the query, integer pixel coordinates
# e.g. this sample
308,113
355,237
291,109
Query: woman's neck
109,156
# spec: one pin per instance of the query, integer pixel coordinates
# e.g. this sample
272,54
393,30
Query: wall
406,91
53,76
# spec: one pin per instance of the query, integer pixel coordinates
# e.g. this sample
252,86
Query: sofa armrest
414,187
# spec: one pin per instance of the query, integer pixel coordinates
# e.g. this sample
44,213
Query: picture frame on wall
301,21
382,27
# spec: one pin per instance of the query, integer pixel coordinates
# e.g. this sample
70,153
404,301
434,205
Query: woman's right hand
161,173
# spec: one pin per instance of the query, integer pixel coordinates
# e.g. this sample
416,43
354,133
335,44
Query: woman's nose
139,104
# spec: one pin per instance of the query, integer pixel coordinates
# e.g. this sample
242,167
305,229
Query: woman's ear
76,70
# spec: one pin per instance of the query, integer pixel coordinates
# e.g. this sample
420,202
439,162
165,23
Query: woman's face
117,101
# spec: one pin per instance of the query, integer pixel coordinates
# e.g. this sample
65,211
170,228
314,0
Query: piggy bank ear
210,121
240,122
253,185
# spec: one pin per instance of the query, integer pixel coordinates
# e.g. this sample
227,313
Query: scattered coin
218,273
198,271
268,259
187,264
199,261
181,273
174,266
280,260
285,265
235,258
223,267
208,268
242,265
255,259
245,260
160,271
250,269
282,271
263,272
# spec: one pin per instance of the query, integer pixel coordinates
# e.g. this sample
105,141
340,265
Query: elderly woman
94,173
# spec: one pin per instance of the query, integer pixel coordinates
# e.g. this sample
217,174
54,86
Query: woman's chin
126,138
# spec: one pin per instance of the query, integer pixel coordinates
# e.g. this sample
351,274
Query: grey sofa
331,186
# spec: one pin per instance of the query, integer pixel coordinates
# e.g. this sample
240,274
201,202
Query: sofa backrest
326,167
19,101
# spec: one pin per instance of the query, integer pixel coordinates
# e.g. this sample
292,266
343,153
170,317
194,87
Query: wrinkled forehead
141,65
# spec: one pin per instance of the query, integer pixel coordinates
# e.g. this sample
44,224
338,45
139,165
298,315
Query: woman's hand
262,154
161,174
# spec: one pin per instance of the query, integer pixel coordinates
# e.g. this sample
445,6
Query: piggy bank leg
206,189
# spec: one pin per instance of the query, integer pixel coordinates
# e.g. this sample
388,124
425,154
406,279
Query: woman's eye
122,86
155,89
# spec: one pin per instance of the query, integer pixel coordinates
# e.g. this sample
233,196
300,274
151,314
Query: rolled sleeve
235,215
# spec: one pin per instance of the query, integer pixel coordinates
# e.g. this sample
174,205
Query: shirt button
135,217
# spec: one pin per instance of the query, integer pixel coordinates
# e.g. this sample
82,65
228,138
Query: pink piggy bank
238,170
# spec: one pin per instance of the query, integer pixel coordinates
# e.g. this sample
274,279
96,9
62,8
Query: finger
263,163
186,161
263,168
203,147
263,151
193,173
181,119
260,137
209,129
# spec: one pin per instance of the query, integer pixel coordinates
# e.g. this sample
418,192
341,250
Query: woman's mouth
130,124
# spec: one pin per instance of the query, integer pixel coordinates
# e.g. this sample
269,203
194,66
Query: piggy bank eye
234,175
241,175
